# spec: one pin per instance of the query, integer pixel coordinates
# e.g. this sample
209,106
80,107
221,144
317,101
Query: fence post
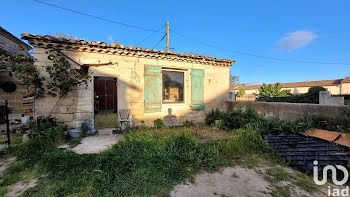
7,122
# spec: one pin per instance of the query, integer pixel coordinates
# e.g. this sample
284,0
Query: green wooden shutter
152,86
197,89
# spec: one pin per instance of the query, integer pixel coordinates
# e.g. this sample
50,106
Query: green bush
247,140
312,96
158,123
241,92
237,118
48,127
212,116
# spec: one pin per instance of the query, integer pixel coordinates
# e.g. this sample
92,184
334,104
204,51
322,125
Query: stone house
152,84
10,45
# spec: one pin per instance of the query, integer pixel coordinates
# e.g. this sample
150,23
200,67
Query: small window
173,87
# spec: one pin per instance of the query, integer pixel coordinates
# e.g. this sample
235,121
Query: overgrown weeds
237,119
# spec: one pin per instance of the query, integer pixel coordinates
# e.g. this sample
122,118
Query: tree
241,92
272,91
234,80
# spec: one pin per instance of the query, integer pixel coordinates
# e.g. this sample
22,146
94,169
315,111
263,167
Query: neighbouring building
10,89
152,84
335,87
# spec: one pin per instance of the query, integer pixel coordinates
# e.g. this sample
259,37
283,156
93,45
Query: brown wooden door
105,91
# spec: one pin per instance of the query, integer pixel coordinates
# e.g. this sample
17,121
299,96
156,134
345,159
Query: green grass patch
277,174
281,191
307,184
74,142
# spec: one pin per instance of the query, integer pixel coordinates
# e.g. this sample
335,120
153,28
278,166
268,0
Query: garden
160,161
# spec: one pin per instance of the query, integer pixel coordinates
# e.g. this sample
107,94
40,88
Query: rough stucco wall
78,105
345,88
290,110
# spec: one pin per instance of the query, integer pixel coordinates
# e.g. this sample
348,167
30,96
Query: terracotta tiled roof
13,38
333,82
346,80
119,49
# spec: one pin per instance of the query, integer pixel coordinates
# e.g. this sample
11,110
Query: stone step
105,132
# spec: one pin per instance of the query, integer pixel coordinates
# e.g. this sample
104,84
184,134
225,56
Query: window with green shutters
197,89
153,88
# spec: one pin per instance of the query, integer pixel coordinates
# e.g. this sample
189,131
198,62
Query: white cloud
296,40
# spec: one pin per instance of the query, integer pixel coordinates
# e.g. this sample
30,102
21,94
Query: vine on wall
63,78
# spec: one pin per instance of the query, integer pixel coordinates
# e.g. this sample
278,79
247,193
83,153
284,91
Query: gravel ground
96,144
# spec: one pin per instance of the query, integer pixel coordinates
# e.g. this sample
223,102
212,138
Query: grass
277,174
74,142
281,191
148,162
143,164
307,184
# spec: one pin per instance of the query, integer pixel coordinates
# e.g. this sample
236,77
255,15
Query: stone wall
129,71
290,110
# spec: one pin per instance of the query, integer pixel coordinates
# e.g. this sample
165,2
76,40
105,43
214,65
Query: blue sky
312,30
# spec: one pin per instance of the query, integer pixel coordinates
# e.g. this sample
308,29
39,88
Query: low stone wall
290,110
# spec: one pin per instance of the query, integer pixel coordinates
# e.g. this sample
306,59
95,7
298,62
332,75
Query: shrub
315,90
241,92
49,128
158,123
237,118
272,91
312,96
247,140
212,116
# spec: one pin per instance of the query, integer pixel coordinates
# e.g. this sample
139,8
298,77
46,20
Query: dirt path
239,181
96,144
6,164
18,188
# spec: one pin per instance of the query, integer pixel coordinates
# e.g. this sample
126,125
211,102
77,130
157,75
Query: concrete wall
325,98
78,105
290,110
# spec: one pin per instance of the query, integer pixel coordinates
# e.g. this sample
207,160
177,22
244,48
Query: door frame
115,95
